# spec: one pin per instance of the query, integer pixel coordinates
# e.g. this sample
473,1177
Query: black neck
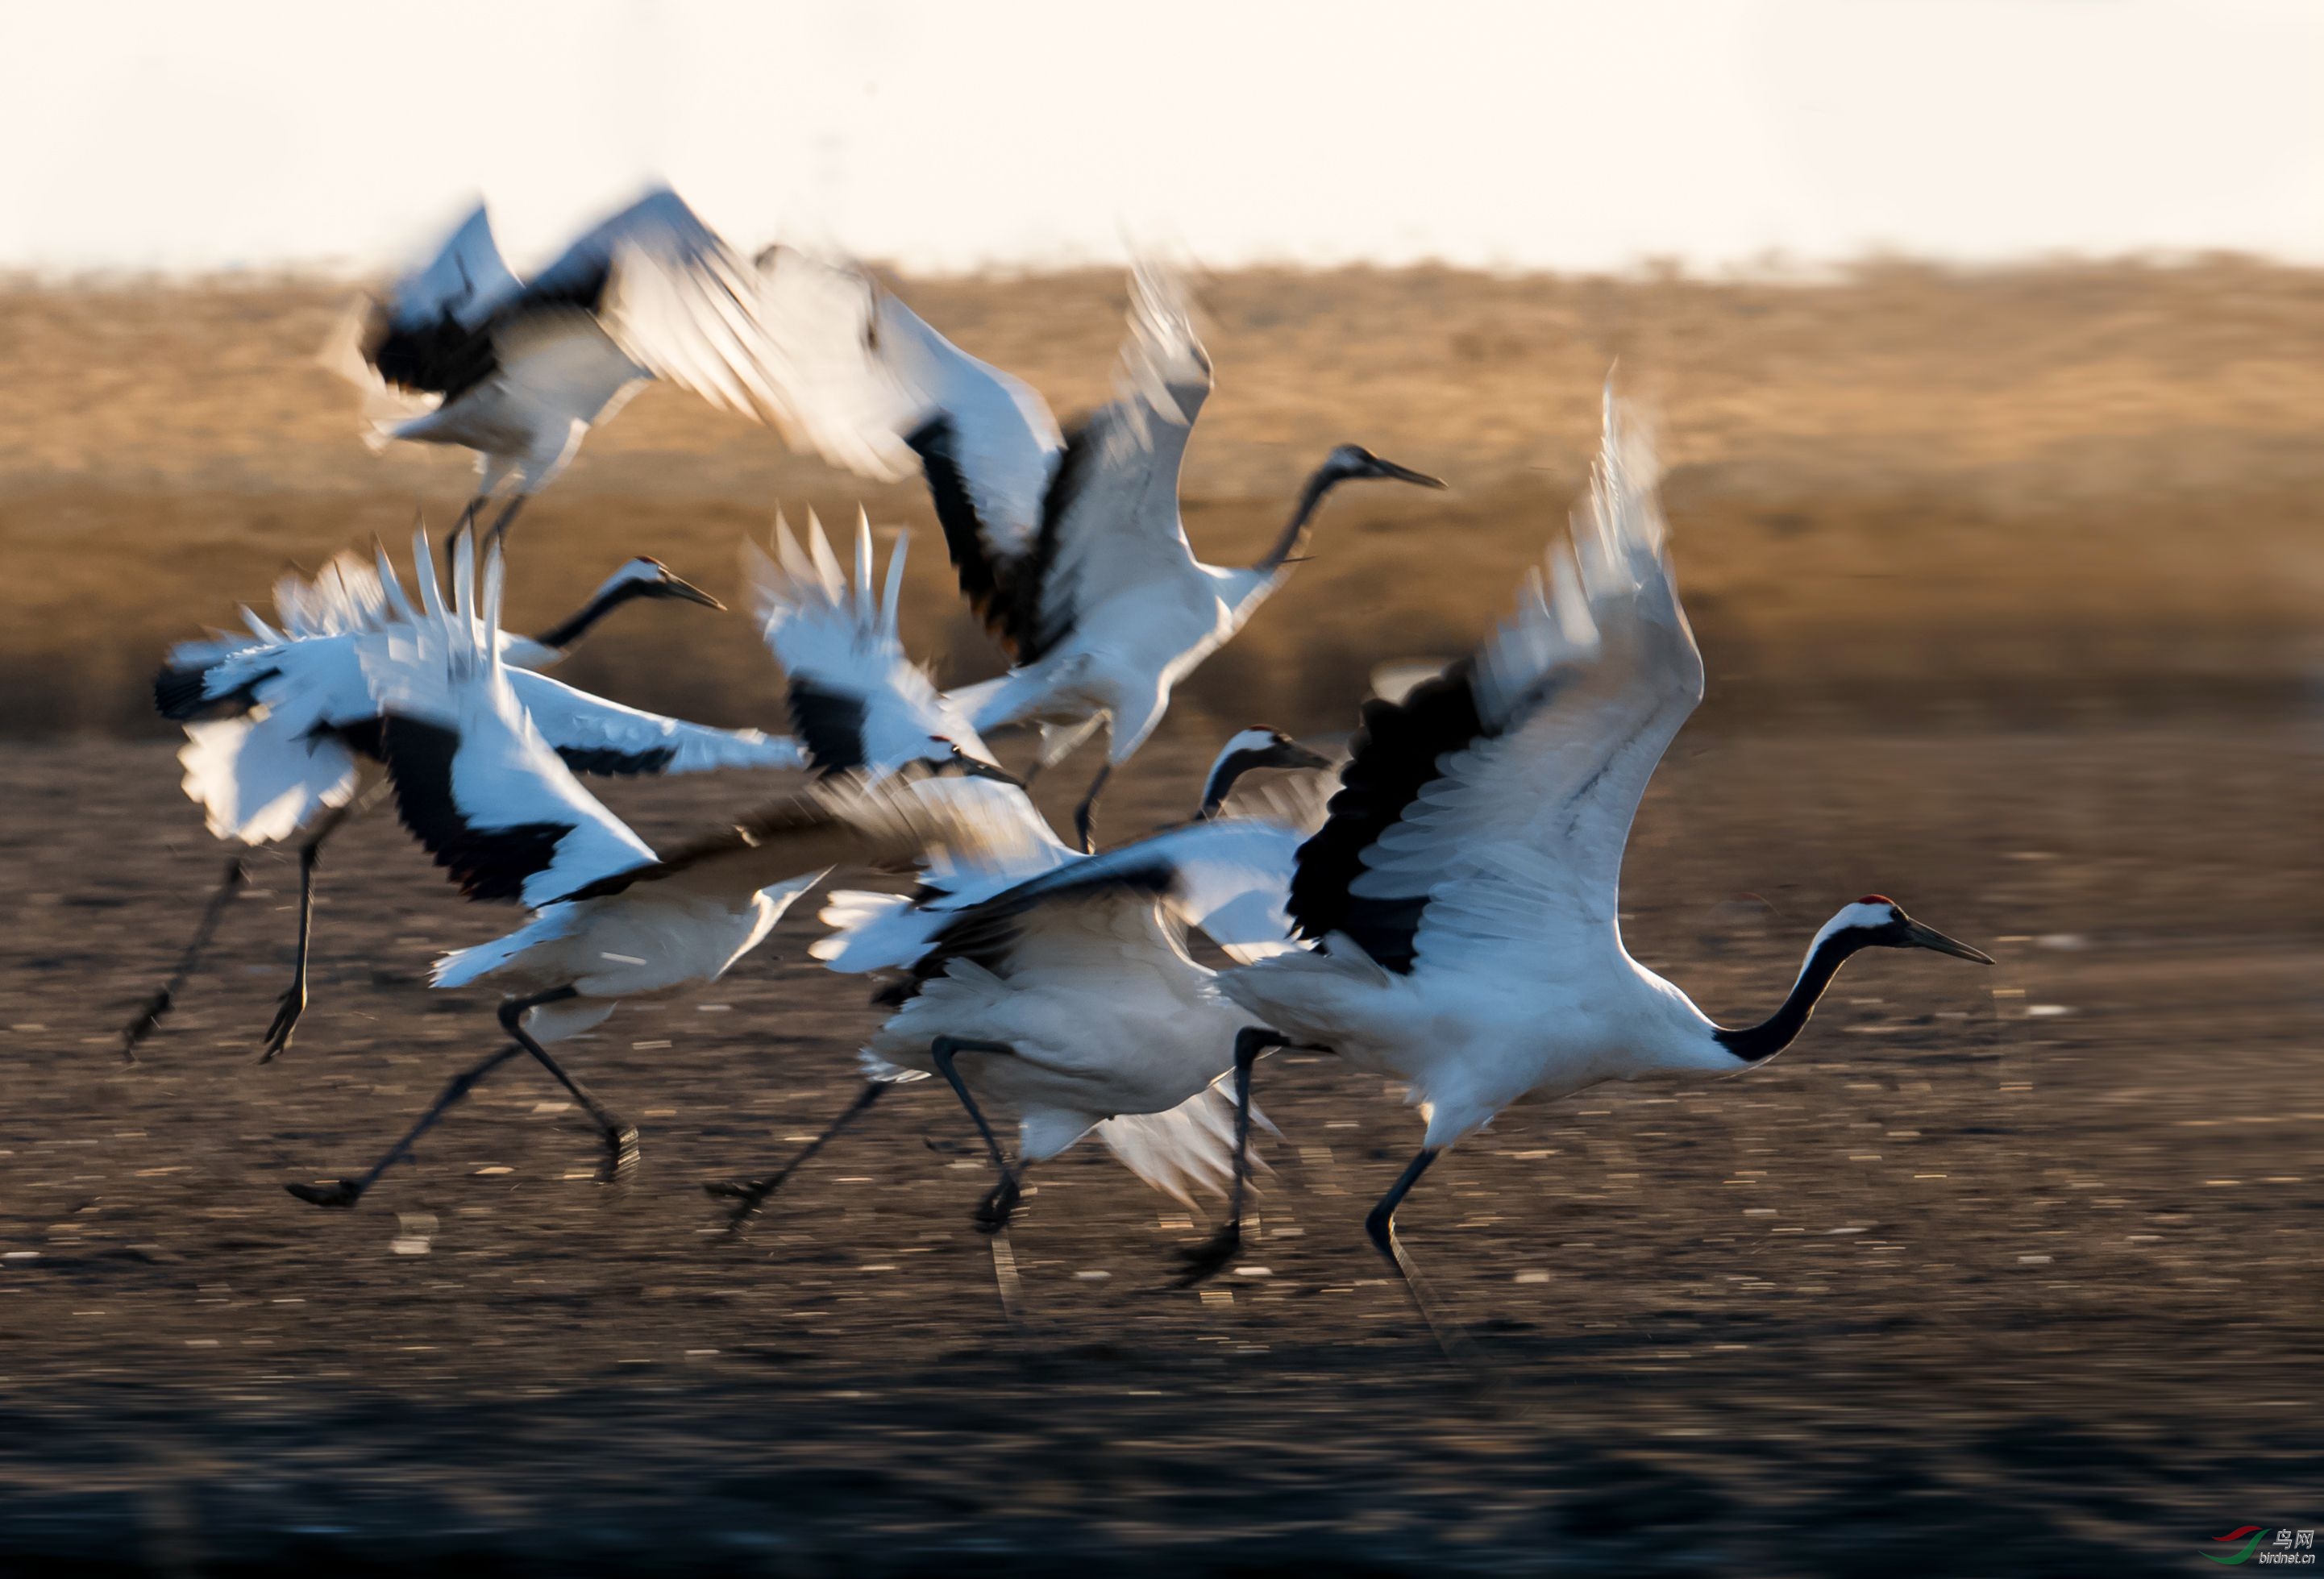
1755,1044
1222,783
576,625
1293,542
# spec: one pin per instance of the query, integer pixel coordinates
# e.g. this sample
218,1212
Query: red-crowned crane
1227,877
1071,998
1463,897
462,352
1068,543
480,786
858,703
282,735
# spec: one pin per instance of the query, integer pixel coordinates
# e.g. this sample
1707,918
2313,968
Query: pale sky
956,134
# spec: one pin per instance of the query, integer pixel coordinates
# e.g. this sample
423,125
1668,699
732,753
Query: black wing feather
487,864
604,761
439,356
181,696
984,934
1005,594
830,724
1393,756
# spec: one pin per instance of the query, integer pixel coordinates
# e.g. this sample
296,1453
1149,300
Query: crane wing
677,301
841,822
428,335
857,700
1151,891
223,676
1111,520
347,595
594,735
463,282
871,387
474,778
1480,821
1190,1147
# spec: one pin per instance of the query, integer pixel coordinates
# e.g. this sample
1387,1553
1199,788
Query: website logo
2293,1548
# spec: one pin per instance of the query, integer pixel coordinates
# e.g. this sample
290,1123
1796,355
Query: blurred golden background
2026,494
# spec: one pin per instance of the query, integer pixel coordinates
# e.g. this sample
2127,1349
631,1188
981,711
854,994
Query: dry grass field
1904,486
2010,586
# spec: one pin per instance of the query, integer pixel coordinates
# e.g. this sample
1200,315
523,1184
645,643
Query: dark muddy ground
2004,1272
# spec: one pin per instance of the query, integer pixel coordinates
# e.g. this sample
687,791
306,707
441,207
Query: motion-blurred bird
479,785
462,352
858,703
1068,543
1072,1000
1463,896
1073,989
843,650
283,737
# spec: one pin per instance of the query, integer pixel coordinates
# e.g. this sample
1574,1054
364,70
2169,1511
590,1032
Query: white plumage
474,778
857,701
1153,1037
461,352
277,719
1069,545
1237,903
283,731
1464,892
1079,1007
864,376
481,788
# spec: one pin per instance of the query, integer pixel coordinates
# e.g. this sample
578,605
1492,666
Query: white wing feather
505,776
1119,531
1518,843
573,720
1191,1147
860,374
683,304
843,642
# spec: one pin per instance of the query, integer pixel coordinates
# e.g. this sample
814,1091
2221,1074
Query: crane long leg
294,1002
149,1016
495,537
346,1192
1381,1227
1085,813
993,1212
621,1135
1205,1261
993,1216
750,1194
468,514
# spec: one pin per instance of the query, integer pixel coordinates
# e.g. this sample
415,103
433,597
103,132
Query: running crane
282,737
1462,898
1075,995
1111,1026
478,784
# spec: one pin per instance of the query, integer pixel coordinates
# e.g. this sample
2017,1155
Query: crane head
1354,463
644,576
1250,749
1878,921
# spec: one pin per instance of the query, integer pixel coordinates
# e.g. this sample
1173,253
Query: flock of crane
1438,908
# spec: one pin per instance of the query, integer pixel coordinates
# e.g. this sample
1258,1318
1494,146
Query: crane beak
1293,756
970,767
1403,474
679,586
1919,936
